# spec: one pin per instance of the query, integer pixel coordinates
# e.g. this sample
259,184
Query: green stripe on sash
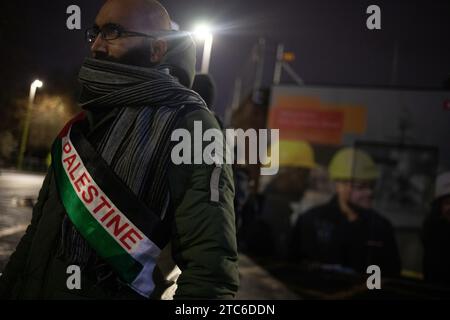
101,241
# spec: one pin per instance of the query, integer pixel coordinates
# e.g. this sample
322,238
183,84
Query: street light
37,84
23,143
204,32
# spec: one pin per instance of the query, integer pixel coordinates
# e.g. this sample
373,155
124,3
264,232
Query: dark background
330,40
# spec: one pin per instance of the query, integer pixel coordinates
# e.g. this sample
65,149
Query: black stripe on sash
123,198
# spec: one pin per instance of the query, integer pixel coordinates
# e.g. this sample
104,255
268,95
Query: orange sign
313,125
308,118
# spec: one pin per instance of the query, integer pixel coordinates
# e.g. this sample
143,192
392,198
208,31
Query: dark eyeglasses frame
120,33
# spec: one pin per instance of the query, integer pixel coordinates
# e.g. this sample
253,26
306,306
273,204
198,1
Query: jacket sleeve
18,259
204,236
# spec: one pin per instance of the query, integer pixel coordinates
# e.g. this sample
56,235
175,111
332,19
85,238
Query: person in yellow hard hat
295,161
355,174
270,221
436,235
346,232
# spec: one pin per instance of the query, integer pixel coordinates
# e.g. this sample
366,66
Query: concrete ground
257,284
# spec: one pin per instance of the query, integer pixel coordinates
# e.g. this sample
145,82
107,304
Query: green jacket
199,262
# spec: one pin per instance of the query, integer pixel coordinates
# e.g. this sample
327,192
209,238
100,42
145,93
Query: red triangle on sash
79,117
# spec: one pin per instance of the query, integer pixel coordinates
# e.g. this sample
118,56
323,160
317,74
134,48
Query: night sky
330,40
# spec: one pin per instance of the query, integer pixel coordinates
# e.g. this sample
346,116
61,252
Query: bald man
116,218
141,16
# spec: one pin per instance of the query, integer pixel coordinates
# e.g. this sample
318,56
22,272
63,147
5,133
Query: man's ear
159,50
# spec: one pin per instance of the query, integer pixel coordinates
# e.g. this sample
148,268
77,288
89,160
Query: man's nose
99,45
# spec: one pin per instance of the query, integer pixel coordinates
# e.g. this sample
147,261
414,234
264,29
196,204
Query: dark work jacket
265,227
436,241
324,235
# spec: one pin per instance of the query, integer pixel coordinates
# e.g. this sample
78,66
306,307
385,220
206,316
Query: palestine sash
115,223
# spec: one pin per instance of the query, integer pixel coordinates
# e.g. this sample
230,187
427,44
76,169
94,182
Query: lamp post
26,126
203,32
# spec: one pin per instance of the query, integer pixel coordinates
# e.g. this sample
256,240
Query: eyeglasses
112,31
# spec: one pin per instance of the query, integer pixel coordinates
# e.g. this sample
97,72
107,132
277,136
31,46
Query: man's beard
137,56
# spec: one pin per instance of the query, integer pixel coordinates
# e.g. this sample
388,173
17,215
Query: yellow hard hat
294,153
352,164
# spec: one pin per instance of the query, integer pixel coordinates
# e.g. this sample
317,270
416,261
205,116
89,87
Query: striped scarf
148,104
